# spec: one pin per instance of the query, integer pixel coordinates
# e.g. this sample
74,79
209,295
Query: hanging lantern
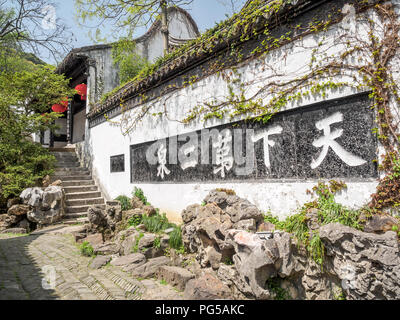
59,108
82,90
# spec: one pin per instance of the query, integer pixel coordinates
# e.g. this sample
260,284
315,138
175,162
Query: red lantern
81,89
59,108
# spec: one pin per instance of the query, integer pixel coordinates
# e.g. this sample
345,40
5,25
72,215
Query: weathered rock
46,181
212,257
248,224
15,230
99,262
52,197
12,202
205,227
47,206
190,213
32,196
255,260
136,259
146,241
367,264
126,215
266,227
24,224
106,249
230,277
312,219
149,210
96,217
105,221
207,287
44,217
126,240
150,267
18,210
175,276
94,239
243,210
153,252
381,224
136,203
9,221
57,183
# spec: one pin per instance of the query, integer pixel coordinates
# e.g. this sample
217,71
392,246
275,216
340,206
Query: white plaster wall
281,198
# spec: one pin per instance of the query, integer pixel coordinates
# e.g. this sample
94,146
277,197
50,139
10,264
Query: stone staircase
80,189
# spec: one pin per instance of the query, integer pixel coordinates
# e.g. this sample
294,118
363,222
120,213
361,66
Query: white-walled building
319,137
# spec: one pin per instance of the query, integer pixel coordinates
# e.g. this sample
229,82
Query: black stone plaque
117,163
331,139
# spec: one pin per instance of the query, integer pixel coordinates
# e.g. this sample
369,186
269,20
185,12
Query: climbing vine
356,49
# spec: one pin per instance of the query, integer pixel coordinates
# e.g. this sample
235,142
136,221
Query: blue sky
206,13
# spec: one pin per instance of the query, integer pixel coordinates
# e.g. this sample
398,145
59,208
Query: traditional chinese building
94,67
324,134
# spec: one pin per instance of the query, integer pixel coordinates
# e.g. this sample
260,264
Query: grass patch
273,285
86,249
157,223
125,202
329,211
135,248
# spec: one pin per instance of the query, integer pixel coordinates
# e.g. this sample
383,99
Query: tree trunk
164,25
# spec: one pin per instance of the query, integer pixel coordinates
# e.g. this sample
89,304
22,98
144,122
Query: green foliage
26,95
130,63
135,221
175,238
138,193
329,211
135,247
157,243
156,223
228,261
163,282
273,285
125,202
86,249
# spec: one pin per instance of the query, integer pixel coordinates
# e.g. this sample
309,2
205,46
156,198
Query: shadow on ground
20,277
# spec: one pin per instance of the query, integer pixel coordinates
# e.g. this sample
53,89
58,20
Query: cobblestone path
22,259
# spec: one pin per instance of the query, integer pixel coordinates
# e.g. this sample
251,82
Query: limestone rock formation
206,287
205,227
46,205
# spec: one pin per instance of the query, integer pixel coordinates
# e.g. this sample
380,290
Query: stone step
80,189
69,178
84,202
71,216
77,183
62,150
66,157
70,171
83,195
75,220
82,209
67,165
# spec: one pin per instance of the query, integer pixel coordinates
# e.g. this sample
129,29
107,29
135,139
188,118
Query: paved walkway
25,259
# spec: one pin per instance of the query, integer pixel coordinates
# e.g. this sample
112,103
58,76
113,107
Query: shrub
86,249
156,223
138,193
125,202
135,221
175,238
